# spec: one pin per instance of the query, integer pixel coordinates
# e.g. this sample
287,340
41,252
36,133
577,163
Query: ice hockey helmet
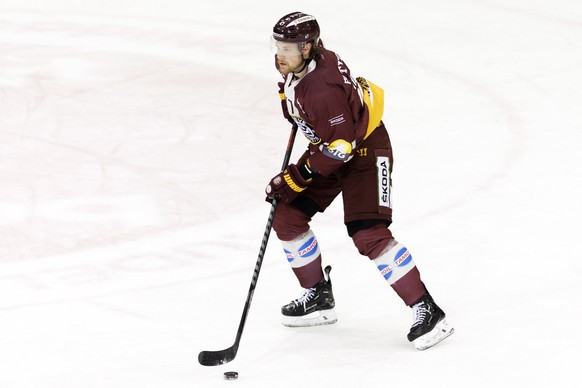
297,27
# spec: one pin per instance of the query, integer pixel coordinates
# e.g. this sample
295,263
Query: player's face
289,57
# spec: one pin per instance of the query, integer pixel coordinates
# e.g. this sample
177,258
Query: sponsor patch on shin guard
394,262
302,250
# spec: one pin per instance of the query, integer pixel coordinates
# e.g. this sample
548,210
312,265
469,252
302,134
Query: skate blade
317,318
441,331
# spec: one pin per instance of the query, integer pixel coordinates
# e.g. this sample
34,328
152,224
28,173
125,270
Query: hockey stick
219,357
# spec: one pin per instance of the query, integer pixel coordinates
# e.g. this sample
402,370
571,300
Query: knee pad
302,250
373,240
289,222
394,262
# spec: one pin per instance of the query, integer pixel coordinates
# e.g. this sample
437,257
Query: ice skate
429,326
313,308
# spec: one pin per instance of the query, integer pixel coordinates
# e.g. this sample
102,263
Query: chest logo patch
307,131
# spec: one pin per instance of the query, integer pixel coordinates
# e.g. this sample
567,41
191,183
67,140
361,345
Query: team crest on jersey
306,130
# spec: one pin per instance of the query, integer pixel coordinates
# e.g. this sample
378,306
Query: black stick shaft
213,358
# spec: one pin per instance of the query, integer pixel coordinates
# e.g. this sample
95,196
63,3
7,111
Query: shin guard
397,267
304,256
394,262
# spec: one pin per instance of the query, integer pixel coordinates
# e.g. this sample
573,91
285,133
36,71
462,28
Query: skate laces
419,312
306,297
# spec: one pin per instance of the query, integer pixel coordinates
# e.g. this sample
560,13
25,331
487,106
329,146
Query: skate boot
429,326
313,308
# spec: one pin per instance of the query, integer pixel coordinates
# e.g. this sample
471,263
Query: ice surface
136,141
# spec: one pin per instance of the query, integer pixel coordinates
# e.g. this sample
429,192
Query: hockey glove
286,185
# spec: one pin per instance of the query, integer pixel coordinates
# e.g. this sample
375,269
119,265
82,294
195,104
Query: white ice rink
136,139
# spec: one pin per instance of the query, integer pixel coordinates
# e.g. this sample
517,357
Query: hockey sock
409,287
304,256
309,275
396,265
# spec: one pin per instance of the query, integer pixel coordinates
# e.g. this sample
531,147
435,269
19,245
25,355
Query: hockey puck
230,375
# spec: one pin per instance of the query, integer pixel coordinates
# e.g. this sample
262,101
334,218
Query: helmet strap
305,61
305,64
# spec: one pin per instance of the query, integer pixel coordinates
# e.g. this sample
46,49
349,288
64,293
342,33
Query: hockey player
349,153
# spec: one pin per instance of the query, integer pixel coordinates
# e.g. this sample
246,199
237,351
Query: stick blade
218,357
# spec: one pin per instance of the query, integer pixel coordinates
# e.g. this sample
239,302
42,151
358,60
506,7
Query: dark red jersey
333,110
